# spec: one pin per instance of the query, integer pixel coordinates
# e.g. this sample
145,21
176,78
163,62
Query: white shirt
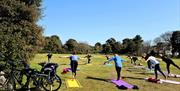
153,60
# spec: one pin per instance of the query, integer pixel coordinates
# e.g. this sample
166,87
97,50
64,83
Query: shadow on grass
137,78
138,68
31,89
145,73
99,79
134,70
122,87
109,80
64,64
78,64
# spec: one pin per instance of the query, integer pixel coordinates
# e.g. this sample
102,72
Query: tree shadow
99,79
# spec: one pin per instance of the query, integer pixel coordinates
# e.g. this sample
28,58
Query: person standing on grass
146,56
88,56
118,64
168,62
49,57
74,63
107,57
156,64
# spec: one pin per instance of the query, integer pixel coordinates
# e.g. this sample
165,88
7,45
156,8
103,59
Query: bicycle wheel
51,85
18,78
5,83
10,85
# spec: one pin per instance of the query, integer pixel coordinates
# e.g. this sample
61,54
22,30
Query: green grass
96,77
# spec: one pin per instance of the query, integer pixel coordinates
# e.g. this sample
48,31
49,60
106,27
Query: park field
96,77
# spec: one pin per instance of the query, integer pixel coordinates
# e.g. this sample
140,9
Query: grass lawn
96,77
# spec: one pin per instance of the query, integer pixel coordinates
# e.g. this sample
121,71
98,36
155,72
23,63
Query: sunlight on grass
96,77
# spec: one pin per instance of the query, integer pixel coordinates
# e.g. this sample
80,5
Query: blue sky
94,21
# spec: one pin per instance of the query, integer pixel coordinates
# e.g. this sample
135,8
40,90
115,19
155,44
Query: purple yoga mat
121,82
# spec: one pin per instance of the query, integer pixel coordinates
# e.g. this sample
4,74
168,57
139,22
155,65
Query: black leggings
149,64
168,66
134,59
89,60
157,68
74,65
118,70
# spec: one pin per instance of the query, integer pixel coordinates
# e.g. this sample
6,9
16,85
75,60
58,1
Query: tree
133,46
128,45
117,47
175,41
98,47
163,42
83,48
53,44
160,47
71,44
106,48
166,37
111,43
157,40
146,47
138,44
20,36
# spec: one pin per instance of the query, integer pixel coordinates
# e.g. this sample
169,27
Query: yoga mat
70,83
139,66
169,81
107,64
121,82
171,75
150,71
153,80
163,81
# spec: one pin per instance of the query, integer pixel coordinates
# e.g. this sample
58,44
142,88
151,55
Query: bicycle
12,75
46,78
51,79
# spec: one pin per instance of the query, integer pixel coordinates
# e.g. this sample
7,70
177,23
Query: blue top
74,58
118,60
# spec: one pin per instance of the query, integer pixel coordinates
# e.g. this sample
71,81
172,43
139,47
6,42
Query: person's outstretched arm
64,57
109,60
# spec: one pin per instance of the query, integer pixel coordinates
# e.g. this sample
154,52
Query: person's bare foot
73,77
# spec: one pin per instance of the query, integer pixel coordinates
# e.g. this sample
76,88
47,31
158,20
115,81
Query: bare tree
146,46
166,37
157,40
163,42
